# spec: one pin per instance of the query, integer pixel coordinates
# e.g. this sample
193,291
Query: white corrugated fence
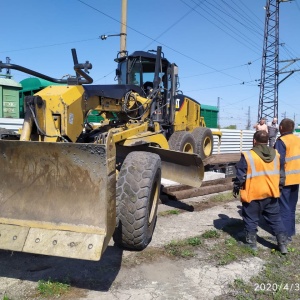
232,141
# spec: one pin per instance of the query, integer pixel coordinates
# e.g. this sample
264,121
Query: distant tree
230,127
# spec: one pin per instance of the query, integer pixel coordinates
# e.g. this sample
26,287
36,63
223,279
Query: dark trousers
269,208
287,202
272,141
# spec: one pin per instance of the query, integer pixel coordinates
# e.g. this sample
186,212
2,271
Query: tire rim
188,148
153,203
207,146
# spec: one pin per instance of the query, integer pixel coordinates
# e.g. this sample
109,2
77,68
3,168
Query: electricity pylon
268,96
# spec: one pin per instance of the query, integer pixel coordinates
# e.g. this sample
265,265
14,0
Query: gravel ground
118,276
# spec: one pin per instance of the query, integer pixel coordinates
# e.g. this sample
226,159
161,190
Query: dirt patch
205,265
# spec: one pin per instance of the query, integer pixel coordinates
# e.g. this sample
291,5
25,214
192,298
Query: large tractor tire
137,196
204,141
182,141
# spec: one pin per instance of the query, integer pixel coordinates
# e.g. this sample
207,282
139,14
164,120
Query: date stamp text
274,287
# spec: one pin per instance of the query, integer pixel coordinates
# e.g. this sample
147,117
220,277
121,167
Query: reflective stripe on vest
292,159
262,179
255,173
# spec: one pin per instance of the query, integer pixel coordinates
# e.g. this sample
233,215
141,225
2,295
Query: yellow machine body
57,198
188,117
57,195
67,185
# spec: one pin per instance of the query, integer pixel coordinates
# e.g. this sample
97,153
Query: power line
170,27
231,30
174,50
49,45
230,68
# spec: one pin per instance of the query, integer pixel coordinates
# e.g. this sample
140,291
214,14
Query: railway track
219,163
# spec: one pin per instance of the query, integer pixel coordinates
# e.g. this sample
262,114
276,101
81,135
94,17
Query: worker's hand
235,191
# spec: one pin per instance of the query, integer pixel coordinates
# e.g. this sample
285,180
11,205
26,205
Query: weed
227,258
5,297
220,197
210,234
52,288
194,241
230,250
239,283
169,212
187,253
230,241
183,248
278,280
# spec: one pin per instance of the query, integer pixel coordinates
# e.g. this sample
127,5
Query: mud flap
57,198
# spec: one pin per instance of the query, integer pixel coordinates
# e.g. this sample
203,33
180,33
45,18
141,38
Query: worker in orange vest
288,146
258,179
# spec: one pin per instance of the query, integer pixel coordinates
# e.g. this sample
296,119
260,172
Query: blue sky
217,45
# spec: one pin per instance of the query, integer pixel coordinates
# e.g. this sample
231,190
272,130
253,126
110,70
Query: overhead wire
49,45
245,20
233,29
191,8
236,14
216,87
229,68
170,27
166,46
153,40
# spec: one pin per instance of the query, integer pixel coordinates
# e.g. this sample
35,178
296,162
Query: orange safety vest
292,159
262,179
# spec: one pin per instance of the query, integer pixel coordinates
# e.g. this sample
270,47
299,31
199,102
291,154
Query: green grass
230,250
278,280
221,197
169,212
6,298
211,234
52,288
194,241
183,248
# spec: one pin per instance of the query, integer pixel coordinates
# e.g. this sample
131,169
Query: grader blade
185,168
57,198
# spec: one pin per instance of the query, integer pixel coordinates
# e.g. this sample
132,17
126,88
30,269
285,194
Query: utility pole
123,33
248,126
218,112
268,97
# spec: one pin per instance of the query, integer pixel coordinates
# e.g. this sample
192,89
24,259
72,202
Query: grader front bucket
57,198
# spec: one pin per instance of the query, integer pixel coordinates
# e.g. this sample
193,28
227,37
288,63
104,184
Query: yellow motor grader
67,185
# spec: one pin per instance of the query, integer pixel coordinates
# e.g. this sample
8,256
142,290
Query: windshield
140,72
